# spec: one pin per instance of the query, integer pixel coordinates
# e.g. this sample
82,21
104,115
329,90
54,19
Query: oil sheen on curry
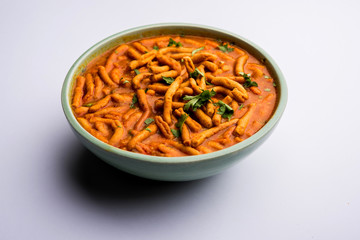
174,96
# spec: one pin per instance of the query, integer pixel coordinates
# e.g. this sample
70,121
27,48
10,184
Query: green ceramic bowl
174,168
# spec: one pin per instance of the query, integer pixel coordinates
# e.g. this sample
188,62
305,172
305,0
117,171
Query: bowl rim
67,87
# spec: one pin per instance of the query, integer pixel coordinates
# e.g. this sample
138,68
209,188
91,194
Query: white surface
303,183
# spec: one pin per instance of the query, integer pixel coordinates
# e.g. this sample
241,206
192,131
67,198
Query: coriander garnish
197,50
207,83
88,104
175,132
168,80
248,83
196,73
134,101
136,71
181,121
225,48
197,101
172,42
148,121
224,110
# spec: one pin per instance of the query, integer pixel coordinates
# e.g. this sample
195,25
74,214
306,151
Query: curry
174,96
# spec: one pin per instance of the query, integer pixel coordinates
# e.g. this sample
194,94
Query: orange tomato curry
174,96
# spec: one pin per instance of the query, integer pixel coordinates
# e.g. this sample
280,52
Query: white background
303,183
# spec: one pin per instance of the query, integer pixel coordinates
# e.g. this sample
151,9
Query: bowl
173,168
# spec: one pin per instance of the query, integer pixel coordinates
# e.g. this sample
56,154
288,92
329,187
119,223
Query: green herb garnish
267,90
172,42
207,83
224,110
175,132
168,80
197,101
196,50
134,101
274,84
89,104
196,73
146,89
181,121
225,48
148,121
266,76
241,106
136,71
148,129
156,47
126,81
248,83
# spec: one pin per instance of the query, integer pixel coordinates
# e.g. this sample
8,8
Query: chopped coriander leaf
267,90
266,76
175,132
207,83
172,42
196,73
274,84
148,121
136,71
224,110
148,129
134,101
130,132
126,81
197,50
197,101
156,47
119,126
260,97
241,106
146,89
168,80
181,121
88,105
248,83
225,48
116,51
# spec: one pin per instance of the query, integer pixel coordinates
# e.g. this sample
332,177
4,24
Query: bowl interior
183,29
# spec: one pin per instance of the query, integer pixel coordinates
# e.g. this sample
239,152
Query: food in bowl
174,96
